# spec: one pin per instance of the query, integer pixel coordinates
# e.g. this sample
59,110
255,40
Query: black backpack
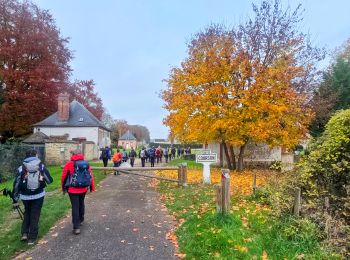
104,154
81,176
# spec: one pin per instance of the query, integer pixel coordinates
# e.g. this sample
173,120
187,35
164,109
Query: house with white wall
76,123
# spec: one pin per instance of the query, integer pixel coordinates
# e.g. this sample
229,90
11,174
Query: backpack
125,155
33,176
81,177
104,154
142,154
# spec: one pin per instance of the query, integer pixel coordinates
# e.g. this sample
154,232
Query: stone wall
255,155
89,151
58,152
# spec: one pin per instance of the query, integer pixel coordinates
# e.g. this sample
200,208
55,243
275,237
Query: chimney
63,106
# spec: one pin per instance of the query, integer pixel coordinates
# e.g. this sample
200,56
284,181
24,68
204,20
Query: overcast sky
129,47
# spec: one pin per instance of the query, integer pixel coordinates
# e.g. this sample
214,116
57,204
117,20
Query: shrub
325,171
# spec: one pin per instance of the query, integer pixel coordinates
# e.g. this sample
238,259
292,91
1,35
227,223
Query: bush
325,171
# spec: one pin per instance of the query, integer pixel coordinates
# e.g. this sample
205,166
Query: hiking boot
76,231
31,242
24,237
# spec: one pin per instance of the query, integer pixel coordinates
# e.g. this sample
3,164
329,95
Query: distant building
127,140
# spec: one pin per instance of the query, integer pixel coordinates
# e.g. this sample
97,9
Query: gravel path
124,220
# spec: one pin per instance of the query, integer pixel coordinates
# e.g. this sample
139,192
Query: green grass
56,205
245,233
190,164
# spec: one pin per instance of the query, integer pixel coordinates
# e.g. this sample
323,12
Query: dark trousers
105,162
78,208
166,158
32,209
152,161
132,161
143,162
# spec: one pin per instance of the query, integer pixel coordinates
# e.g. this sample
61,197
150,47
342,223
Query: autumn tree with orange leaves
249,84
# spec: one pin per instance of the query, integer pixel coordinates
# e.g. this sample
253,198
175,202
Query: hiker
143,156
166,154
125,156
173,151
132,155
158,154
152,155
77,179
105,156
29,186
117,160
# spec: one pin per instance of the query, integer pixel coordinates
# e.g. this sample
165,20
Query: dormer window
81,119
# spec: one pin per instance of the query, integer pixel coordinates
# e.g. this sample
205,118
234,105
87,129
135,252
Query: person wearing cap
76,194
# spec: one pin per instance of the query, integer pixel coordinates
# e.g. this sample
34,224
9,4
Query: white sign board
200,158
206,158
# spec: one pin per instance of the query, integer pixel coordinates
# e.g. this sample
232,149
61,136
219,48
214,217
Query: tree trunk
221,157
240,158
233,157
228,159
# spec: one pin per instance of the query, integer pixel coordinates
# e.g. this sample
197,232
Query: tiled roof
127,136
36,138
78,116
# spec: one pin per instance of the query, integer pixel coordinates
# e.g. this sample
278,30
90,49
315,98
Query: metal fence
11,157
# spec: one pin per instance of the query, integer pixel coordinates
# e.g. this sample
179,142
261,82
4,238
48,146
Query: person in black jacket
29,186
132,156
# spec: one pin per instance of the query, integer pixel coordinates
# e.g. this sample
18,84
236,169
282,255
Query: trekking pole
20,212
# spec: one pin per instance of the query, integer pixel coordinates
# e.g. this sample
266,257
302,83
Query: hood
32,163
33,159
77,157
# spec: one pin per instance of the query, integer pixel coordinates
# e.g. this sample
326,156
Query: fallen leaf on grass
240,248
264,255
181,256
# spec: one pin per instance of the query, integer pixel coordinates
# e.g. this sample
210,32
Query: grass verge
55,207
249,232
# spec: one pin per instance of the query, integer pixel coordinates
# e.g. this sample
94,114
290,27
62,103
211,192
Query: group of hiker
152,155
29,187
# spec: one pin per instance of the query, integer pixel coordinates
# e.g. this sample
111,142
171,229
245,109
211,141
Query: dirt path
124,220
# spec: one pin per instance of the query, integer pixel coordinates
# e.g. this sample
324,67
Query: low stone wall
58,152
89,151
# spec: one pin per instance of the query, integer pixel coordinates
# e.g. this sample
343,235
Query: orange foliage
241,183
220,93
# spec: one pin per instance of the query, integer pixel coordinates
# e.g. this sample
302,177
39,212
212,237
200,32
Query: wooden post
254,182
225,186
218,192
297,205
179,174
327,217
184,174
326,203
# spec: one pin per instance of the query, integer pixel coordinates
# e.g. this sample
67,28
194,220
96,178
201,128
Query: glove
15,205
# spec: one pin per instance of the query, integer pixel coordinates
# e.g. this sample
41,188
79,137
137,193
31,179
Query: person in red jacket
76,195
